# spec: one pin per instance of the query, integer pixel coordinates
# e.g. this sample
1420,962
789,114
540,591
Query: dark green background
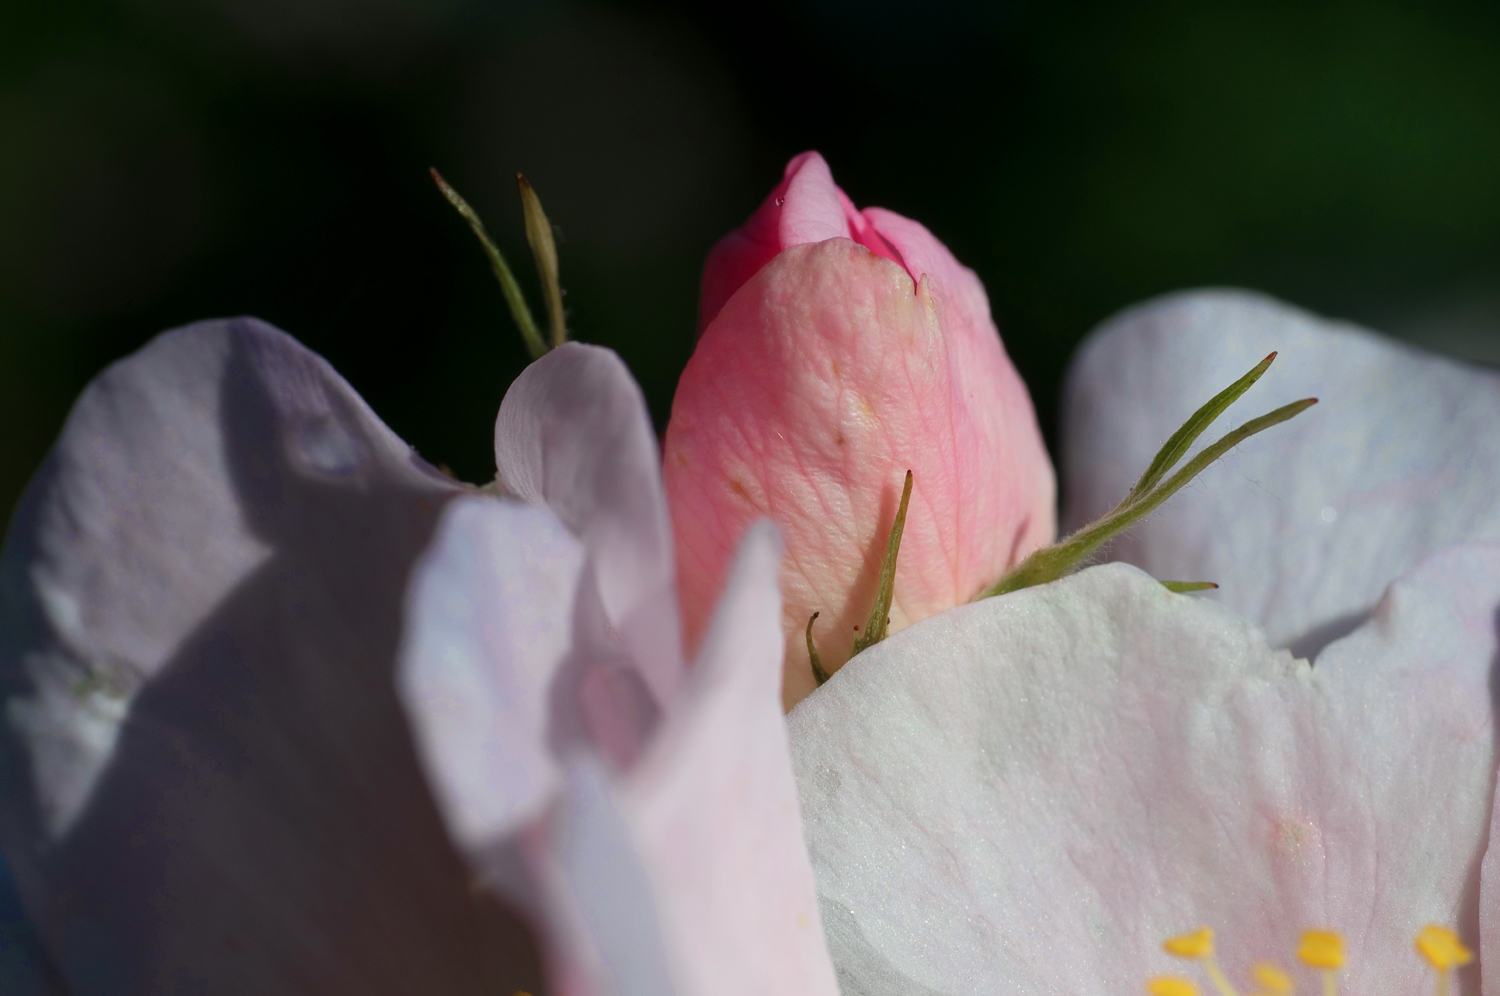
168,160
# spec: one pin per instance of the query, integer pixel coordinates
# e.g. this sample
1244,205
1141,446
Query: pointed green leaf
1182,587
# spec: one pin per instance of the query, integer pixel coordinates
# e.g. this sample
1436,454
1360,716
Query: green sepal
880,616
1183,587
1065,556
1183,439
819,675
535,345
544,252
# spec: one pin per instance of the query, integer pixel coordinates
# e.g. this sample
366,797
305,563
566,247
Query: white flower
1030,793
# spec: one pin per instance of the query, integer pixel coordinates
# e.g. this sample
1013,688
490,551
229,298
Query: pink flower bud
839,349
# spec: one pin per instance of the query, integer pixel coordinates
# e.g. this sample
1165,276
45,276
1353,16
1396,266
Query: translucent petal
714,808
690,874
489,622
573,434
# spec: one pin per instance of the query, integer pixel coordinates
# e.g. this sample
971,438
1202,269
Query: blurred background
168,160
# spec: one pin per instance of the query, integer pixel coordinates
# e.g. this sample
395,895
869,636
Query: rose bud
839,349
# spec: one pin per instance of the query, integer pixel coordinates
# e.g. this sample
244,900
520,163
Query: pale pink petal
691,877
714,808
573,434
825,379
604,933
1028,794
489,626
1305,524
208,784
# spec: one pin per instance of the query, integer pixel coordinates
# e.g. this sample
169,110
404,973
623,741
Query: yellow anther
1271,979
1171,985
1198,944
1322,949
1442,948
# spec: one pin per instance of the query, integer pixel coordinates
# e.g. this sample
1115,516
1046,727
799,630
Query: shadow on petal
262,824
1310,644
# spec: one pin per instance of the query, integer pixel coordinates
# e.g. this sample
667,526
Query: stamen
1443,951
1195,945
1442,948
1171,985
1199,946
1271,979
1323,949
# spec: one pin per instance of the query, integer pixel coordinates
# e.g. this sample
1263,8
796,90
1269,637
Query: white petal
208,784
1028,794
1305,524
573,433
